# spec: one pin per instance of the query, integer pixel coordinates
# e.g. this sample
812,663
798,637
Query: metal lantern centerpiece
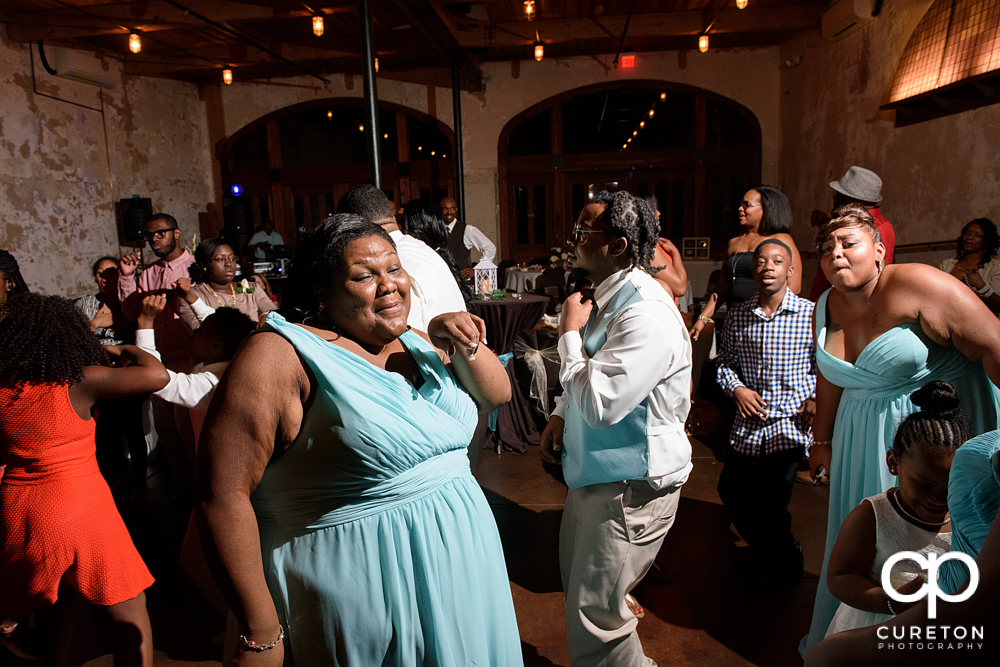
486,278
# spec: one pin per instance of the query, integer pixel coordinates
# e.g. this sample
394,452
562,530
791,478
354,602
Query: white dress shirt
474,238
190,390
274,238
646,358
433,289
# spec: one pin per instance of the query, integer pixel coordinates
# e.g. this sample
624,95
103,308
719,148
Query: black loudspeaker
135,213
237,215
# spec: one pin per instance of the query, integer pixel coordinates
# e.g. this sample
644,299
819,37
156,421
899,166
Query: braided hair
45,339
940,423
633,219
11,271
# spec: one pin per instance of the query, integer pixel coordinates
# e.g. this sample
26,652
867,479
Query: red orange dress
58,521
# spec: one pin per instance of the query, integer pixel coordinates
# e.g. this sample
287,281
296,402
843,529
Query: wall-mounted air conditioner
846,16
81,67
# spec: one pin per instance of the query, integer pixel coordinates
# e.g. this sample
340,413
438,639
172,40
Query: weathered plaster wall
57,197
936,175
750,77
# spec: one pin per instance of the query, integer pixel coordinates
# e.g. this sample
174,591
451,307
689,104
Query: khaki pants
609,537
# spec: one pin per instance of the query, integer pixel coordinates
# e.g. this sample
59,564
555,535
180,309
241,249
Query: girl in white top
910,517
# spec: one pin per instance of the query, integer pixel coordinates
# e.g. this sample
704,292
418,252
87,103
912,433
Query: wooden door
531,231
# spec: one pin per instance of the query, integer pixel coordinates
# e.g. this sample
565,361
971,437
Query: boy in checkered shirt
767,364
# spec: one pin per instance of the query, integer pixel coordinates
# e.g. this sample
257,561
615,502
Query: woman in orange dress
61,533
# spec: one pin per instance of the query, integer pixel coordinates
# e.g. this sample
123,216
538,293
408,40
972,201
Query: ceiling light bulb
376,65
624,146
134,43
318,26
703,43
629,140
433,152
635,132
329,114
529,9
227,76
741,4
539,52
663,97
420,148
361,128
651,112
385,136
642,123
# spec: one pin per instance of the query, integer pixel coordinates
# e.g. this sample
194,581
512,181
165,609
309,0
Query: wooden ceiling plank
422,16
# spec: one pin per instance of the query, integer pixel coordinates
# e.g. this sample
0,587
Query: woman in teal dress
882,332
333,483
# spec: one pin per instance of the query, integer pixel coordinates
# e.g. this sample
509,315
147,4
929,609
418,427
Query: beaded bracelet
251,645
704,319
822,442
892,611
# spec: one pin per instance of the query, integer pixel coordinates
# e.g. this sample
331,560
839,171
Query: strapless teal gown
876,399
379,546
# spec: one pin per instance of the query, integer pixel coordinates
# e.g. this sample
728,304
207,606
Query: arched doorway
296,163
698,152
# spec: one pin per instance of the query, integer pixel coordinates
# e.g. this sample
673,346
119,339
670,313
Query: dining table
522,279
505,319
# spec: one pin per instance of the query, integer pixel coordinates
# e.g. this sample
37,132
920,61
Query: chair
552,283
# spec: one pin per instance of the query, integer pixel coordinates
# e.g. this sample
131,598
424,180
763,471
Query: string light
134,43
433,153
318,26
651,112
539,52
376,65
663,97
385,136
642,123
635,132
703,43
227,76
741,4
361,128
420,148
529,9
329,114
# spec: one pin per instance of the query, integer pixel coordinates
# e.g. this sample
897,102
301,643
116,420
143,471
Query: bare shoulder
733,245
784,238
267,353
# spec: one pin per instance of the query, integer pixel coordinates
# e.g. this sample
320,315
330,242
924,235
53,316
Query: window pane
533,136
541,221
314,138
426,139
604,122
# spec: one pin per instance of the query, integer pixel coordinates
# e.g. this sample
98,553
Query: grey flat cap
859,183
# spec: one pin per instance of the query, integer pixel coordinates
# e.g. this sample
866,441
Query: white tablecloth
517,280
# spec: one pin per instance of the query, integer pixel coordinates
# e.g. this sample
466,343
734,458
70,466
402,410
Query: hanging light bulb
318,26
227,76
663,97
376,65
539,52
741,4
134,43
624,146
529,9
642,123
635,132
703,43
361,128
629,140
651,112
329,114
385,136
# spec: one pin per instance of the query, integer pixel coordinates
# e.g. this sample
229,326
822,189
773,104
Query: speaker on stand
133,214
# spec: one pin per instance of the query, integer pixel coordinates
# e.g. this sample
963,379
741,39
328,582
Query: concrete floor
708,615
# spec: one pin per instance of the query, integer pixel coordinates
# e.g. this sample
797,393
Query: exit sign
627,61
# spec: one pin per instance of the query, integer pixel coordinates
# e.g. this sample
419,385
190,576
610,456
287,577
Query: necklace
749,242
221,302
899,504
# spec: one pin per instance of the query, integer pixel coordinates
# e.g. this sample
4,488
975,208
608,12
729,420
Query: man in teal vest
619,430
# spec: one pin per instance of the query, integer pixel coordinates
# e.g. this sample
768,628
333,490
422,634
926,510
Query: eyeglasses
225,260
746,204
158,234
578,233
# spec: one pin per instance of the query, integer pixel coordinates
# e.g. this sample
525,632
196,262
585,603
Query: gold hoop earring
878,265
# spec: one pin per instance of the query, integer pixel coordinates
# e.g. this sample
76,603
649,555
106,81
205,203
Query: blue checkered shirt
776,357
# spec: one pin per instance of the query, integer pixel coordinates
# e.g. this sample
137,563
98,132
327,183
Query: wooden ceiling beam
423,17
644,25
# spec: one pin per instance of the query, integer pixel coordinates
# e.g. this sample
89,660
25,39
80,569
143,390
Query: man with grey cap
859,186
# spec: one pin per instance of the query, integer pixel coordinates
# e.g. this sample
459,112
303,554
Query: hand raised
129,263
153,305
457,331
183,285
575,313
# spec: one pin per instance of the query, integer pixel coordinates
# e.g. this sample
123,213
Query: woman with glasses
764,214
213,271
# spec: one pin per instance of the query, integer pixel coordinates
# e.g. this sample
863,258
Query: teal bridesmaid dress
875,400
379,547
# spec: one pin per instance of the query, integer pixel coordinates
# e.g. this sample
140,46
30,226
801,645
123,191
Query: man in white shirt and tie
462,238
619,430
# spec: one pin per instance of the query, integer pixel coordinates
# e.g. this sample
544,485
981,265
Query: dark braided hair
230,327
632,219
11,271
318,256
990,241
421,220
940,422
45,339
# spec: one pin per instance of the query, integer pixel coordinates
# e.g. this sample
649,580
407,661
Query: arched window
696,151
296,163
